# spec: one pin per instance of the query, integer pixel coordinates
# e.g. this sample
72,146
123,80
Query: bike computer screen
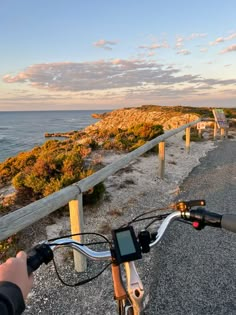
126,245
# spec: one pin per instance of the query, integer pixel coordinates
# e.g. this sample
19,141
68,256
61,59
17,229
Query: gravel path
194,272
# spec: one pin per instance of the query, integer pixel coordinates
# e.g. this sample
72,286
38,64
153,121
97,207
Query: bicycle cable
80,282
107,241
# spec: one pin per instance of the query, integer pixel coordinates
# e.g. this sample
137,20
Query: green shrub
9,247
134,137
46,169
94,195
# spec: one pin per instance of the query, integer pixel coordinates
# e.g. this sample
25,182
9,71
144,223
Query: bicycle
126,248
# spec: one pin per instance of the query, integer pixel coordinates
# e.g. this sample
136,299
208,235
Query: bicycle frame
130,297
129,301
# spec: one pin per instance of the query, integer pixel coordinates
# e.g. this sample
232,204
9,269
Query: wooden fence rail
72,195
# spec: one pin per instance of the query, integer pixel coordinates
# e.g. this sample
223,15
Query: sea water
21,131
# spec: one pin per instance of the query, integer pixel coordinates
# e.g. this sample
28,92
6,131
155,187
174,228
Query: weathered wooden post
162,159
226,133
222,133
215,131
187,136
199,133
77,226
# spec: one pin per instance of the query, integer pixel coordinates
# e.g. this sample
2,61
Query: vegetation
194,135
46,169
9,247
202,111
57,164
131,138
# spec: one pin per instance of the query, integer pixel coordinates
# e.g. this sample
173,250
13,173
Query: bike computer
126,246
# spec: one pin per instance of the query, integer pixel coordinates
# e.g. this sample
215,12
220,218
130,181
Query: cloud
179,42
223,39
105,44
183,52
203,50
232,36
180,39
196,35
229,49
99,75
154,46
114,79
151,47
217,41
151,53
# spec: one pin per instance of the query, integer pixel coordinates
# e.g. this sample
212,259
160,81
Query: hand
15,270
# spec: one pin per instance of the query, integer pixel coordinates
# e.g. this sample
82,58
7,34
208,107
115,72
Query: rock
99,116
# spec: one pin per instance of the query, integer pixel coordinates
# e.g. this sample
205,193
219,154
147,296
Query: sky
100,54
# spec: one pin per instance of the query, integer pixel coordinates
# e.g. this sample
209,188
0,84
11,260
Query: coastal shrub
93,144
134,137
94,194
146,131
51,172
46,169
138,144
9,248
3,209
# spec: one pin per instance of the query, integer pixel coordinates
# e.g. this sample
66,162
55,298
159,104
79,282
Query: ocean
21,131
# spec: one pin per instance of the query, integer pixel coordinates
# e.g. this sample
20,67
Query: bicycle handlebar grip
228,222
37,256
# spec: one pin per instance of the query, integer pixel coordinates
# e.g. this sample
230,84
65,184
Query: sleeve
11,299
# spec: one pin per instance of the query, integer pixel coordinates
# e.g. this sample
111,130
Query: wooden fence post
200,133
226,133
187,135
77,226
215,131
222,133
161,154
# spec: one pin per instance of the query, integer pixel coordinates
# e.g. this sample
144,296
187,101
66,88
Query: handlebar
228,222
43,253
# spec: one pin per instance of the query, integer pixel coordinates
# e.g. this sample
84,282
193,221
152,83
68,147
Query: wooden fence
72,195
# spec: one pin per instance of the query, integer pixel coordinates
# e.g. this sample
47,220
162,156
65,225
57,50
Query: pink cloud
20,77
196,35
223,39
105,44
229,49
155,46
179,42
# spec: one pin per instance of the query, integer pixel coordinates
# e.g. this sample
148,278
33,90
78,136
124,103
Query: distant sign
220,118
201,125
